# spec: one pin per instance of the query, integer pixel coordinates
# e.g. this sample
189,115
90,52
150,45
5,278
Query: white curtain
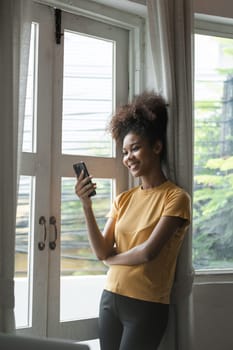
15,29
170,27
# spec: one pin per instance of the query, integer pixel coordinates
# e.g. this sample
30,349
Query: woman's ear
158,146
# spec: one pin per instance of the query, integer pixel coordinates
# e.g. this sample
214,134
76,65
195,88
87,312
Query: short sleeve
113,213
178,203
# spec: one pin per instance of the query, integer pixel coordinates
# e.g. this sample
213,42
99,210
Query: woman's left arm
146,251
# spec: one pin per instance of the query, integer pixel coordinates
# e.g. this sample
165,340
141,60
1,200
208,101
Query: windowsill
213,276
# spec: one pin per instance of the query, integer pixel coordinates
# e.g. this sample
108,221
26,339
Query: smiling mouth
133,166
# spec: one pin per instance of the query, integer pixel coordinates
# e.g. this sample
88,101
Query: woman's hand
101,243
84,187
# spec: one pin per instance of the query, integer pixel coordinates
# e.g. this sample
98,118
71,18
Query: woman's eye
133,149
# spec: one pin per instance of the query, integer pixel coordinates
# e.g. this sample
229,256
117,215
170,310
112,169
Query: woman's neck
148,182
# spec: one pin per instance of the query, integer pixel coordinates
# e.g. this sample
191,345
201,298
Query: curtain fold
15,26
170,27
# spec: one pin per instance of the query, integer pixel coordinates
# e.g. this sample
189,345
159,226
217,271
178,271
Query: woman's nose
129,155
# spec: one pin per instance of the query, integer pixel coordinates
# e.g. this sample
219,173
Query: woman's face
139,156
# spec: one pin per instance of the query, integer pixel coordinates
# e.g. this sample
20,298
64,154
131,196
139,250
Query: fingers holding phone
84,188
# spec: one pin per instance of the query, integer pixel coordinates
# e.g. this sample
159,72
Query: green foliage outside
213,180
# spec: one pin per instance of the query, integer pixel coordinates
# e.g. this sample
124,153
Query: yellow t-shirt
137,212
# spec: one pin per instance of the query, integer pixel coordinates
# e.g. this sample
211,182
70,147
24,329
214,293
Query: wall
213,316
223,8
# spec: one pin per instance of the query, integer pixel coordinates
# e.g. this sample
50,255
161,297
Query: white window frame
221,27
213,25
133,23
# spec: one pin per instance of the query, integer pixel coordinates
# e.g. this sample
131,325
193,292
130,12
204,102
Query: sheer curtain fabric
14,47
170,27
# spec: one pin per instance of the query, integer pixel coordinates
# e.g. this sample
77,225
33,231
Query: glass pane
80,270
29,134
87,95
213,150
22,252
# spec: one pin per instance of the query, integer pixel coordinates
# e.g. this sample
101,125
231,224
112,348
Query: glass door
33,209
73,88
92,62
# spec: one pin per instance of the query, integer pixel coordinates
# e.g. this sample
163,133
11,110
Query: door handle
41,244
52,221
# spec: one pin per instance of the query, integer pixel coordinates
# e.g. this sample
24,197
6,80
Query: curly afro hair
145,116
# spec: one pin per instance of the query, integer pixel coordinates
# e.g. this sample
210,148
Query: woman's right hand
84,187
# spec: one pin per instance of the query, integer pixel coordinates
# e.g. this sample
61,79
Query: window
213,152
88,101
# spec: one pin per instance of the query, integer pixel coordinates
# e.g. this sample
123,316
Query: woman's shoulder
176,190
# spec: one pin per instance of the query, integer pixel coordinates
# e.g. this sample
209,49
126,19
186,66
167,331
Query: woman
143,233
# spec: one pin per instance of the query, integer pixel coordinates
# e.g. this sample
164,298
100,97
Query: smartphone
78,167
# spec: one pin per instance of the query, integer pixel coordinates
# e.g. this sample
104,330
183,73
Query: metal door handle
52,221
41,244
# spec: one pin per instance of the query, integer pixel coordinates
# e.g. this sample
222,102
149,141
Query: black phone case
78,167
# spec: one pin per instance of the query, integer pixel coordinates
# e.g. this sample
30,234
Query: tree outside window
213,153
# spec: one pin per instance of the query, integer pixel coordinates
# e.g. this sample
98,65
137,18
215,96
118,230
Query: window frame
221,27
213,25
133,23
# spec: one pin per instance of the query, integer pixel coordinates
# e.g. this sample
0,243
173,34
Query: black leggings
130,324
